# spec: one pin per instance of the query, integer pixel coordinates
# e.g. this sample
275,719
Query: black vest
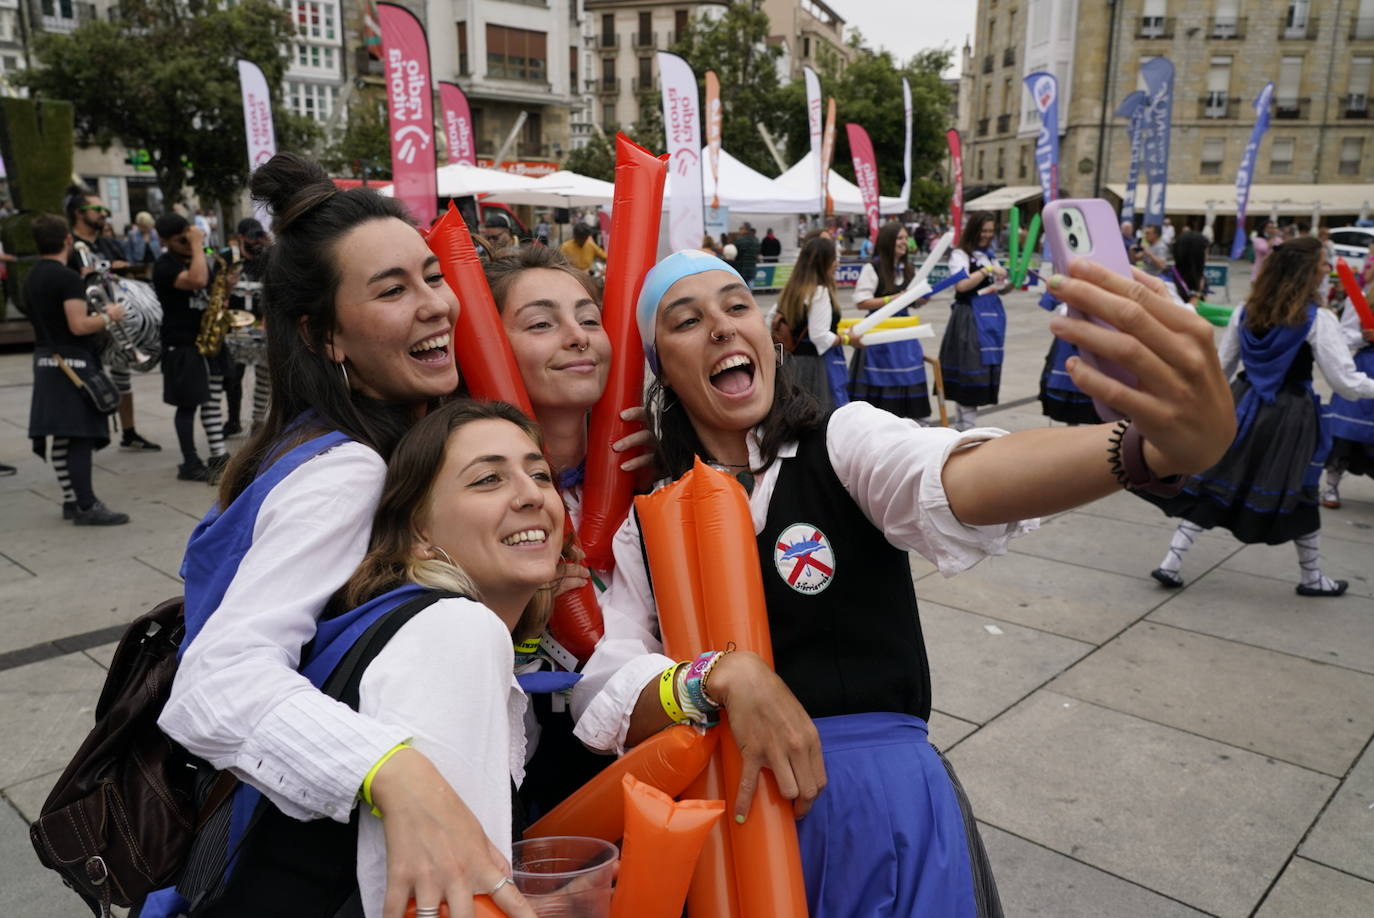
847,641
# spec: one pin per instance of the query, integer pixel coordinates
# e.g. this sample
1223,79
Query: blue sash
1266,359
1353,419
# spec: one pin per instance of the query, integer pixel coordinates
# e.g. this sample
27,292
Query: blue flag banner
1158,74
1132,108
1247,165
1044,90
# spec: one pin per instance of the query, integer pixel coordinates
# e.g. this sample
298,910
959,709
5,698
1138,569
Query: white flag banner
257,123
682,128
814,123
906,160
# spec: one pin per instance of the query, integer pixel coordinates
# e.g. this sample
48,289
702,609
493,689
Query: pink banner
457,124
865,174
956,200
410,106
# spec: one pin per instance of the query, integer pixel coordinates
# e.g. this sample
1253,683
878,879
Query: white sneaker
1331,498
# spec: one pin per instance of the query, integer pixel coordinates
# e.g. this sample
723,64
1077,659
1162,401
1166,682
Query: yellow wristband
372,773
667,695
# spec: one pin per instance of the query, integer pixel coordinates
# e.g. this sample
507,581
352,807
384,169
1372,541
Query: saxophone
215,323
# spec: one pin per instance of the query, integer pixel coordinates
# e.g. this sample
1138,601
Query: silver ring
497,887
429,912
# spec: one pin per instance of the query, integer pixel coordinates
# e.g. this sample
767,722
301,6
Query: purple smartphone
1087,228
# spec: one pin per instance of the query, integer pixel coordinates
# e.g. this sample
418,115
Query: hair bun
290,184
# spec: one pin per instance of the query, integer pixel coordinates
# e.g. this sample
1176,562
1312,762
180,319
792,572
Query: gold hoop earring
344,370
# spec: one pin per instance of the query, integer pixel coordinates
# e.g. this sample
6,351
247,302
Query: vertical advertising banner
827,154
257,125
865,174
906,156
410,110
682,129
457,124
1158,74
1132,108
1044,90
814,122
1247,166
956,199
713,119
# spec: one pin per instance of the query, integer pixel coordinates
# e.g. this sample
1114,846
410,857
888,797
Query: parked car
1352,243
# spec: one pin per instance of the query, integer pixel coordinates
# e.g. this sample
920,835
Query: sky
927,24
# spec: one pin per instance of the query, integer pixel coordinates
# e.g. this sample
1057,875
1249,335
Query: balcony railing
1003,124
1292,109
1155,27
987,63
640,85
1008,57
1226,28
608,86
1355,105
1218,105
1362,28
982,127
605,40
645,39
1298,31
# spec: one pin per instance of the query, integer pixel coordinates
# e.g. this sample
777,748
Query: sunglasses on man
98,208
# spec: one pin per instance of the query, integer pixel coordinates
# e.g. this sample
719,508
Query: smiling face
554,326
394,314
716,354
901,246
494,511
985,234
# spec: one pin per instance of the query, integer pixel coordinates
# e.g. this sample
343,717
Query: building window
1281,156
1357,98
646,74
316,57
608,116
8,18
645,36
315,19
1290,82
1226,19
463,62
607,28
1153,23
313,100
1213,152
806,47
573,85
1352,151
980,165
516,54
1218,85
1295,21
1001,162
1363,27
1021,160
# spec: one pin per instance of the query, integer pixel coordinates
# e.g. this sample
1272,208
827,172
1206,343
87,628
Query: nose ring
718,337
581,347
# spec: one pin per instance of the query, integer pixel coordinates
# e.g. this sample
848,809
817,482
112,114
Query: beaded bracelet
694,699
710,668
667,694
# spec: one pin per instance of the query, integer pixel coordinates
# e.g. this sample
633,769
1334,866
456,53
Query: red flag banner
457,124
410,107
956,200
865,174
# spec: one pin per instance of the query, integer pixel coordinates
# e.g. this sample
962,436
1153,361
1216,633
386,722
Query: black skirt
968,381
185,377
57,408
1351,456
1068,405
1263,490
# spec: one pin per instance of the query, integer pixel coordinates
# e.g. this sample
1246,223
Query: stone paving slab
1133,549
1128,507
1193,819
1266,613
1342,559
1344,835
979,666
1311,889
27,889
1035,881
27,796
946,731
1316,716
46,710
1063,599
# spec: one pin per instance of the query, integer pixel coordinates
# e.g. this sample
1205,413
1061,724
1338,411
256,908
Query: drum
247,346
134,343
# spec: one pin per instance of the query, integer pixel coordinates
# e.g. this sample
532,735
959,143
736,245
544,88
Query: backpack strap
345,682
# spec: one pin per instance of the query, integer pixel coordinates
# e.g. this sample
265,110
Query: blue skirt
891,836
1354,419
1060,398
837,373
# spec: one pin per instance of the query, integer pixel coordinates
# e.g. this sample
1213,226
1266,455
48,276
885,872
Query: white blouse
1329,352
890,466
867,285
818,317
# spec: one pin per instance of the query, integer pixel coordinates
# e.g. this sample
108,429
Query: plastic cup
565,876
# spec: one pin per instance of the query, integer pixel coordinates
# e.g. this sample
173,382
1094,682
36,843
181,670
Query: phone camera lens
1068,220
1073,241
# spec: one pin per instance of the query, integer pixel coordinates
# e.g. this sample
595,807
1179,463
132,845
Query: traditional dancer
849,702
971,351
809,308
1264,490
891,376
1351,421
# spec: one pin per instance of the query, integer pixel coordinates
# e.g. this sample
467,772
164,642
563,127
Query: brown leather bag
120,820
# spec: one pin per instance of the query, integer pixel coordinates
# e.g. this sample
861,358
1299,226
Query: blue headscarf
656,283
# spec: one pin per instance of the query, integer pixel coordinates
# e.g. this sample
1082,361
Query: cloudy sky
918,25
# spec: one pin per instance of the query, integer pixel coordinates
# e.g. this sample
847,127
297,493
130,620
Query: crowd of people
371,483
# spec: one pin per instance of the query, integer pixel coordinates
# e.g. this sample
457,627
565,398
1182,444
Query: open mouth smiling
432,351
733,375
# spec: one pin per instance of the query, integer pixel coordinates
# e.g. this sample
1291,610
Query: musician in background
246,255
88,215
63,329
190,381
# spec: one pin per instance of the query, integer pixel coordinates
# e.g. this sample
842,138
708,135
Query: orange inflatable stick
638,206
489,369
1355,294
482,907
713,891
662,840
668,761
767,856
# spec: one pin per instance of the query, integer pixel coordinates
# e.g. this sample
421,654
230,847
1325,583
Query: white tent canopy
1003,198
562,189
798,186
458,180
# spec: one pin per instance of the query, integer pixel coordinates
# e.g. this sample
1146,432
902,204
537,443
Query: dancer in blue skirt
809,309
891,376
1351,421
971,351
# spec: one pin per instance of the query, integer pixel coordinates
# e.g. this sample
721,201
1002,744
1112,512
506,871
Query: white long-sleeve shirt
890,466
445,681
1351,329
238,701
866,287
818,316
1329,352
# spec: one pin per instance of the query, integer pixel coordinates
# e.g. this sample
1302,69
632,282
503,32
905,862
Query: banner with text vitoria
682,130
410,111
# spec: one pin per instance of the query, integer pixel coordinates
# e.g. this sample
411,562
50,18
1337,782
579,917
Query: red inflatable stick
1355,294
488,365
767,855
669,761
662,841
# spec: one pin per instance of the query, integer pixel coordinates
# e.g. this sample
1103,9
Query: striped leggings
71,460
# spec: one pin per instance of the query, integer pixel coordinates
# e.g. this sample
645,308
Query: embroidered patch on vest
804,558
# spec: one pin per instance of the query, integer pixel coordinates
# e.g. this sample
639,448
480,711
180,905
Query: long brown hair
887,262
1287,283
973,230
410,476
815,268
502,271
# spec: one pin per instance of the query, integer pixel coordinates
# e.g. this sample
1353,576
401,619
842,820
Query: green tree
363,149
595,159
160,75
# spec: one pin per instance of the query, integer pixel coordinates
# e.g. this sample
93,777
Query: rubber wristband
667,695
372,773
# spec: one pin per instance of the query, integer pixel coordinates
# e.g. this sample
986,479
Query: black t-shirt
46,290
102,248
181,309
